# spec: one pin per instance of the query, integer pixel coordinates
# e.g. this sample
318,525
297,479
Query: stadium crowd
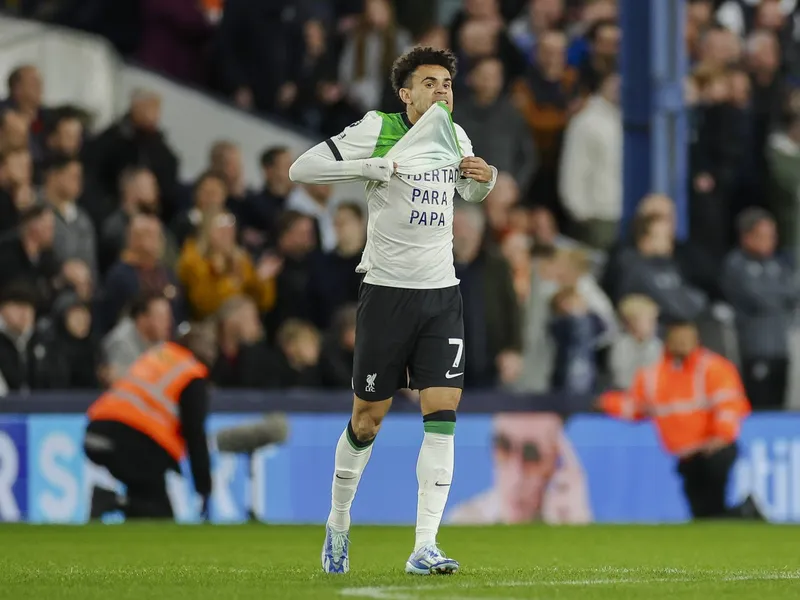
104,251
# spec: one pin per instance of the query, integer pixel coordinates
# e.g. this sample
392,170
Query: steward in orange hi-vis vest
147,397
697,402
692,401
147,422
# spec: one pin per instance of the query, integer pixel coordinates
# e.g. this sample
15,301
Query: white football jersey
410,226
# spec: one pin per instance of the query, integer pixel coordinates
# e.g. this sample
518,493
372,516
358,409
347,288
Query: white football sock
434,474
348,467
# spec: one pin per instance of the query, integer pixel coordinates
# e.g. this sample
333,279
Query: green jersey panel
393,129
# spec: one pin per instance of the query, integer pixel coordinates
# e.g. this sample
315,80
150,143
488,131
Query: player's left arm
477,177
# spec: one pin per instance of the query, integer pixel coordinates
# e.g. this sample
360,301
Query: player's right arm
346,157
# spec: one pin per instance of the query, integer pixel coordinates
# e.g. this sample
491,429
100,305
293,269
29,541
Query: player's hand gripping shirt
409,232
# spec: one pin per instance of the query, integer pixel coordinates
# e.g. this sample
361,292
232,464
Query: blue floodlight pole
653,66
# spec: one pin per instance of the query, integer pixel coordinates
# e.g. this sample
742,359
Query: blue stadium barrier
594,469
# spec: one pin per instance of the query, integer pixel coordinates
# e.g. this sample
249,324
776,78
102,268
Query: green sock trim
444,427
355,444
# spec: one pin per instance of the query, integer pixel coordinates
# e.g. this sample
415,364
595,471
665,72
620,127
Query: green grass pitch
169,562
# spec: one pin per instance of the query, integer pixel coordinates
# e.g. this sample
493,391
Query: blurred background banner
518,467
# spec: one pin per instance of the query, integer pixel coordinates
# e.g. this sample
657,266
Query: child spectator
576,271
639,345
575,330
75,348
300,346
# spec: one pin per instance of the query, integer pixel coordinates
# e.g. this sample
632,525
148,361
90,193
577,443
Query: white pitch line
417,592
380,593
401,593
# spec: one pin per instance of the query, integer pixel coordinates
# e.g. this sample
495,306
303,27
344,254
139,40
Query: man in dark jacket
136,140
783,156
25,91
138,272
260,214
492,319
501,135
696,267
245,360
650,269
16,188
296,244
26,254
138,192
26,357
334,281
763,292
75,237
65,136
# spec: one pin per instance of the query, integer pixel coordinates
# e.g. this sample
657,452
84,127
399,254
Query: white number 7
460,343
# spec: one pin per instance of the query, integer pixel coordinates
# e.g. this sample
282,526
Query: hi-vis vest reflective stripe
675,406
690,404
146,398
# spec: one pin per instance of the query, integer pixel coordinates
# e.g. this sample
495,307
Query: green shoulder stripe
392,131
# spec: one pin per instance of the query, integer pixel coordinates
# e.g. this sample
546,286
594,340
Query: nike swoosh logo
450,375
437,484
345,478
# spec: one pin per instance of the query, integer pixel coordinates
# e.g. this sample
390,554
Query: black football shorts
407,339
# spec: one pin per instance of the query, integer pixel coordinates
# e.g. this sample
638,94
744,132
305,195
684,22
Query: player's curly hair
404,67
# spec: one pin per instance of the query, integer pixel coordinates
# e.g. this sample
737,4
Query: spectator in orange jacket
214,268
697,401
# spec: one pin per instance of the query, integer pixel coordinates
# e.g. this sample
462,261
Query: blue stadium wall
45,478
